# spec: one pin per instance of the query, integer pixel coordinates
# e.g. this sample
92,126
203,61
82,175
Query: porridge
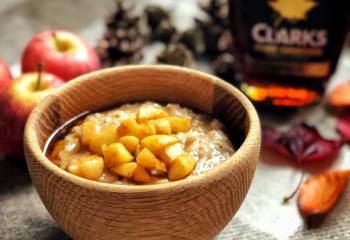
142,143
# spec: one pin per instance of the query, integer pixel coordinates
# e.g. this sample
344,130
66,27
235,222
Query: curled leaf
318,194
301,142
339,98
343,126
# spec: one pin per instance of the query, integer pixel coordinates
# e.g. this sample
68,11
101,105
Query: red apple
5,74
17,100
63,54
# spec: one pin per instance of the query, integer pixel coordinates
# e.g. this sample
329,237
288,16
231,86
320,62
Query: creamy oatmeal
142,143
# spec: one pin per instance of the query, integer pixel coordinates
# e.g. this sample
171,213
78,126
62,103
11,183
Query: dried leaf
318,194
301,143
343,126
339,98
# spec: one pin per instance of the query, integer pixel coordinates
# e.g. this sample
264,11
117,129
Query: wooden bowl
194,208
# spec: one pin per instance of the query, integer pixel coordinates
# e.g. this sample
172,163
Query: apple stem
57,41
40,70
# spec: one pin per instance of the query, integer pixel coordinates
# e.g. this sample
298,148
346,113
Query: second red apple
63,53
17,99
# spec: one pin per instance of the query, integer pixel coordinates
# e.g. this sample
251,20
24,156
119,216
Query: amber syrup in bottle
286,50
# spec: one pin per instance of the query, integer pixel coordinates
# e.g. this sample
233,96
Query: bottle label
293,36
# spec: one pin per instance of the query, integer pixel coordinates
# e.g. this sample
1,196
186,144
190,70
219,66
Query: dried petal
343,127
318,194
302,143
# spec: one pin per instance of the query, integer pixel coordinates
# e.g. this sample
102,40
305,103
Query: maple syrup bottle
286,50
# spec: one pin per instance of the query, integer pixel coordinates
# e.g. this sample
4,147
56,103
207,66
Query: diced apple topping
146,113
180,124
181,168
90,167
156,143
142,149
145,130
170,153
128,127
147,160
74,169
162,126
126,169
59,146
115,154
88,131
105,137
130,142
141,175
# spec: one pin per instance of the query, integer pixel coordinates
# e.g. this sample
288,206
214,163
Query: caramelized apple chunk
156,143
59,146
162,126
130,142
170,153
149,161
141,175
126,169
128,127
105,137
145,130
115,154
88,131
90,167
180,124
146,113
181,168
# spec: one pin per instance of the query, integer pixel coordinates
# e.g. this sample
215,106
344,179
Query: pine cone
212,33
193,39
176,54
155,15
217,10
224,67
164,31
225,42
124,37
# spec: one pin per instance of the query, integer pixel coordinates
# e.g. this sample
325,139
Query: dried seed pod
176,54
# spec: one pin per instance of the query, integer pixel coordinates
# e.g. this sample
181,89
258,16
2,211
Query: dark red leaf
301,143
343,126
